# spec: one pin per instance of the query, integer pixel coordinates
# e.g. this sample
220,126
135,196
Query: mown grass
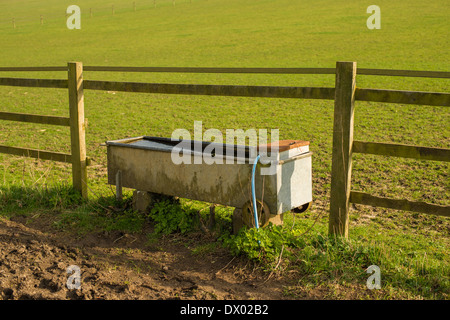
411,249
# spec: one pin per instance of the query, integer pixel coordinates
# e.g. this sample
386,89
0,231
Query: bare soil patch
34,261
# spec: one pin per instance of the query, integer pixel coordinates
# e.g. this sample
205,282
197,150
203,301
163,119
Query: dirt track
34,262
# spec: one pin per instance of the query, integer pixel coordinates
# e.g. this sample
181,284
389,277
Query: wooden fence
344,94
76,121
344,146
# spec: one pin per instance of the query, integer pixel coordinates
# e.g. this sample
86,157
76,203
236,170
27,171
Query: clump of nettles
309,251
170,217
264,245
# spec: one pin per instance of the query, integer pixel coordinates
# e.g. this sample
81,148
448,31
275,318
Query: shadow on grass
24,199
68,210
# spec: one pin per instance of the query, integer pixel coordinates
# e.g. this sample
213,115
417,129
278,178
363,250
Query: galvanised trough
217,173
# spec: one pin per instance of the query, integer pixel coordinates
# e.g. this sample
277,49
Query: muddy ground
34,261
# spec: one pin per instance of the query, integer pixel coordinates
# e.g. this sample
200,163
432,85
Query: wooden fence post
341,169
77,127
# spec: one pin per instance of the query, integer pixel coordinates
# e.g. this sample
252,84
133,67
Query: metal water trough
146,164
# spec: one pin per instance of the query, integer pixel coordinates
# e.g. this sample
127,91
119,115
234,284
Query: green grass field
411,249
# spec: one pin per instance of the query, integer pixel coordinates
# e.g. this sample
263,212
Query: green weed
23,199
170,217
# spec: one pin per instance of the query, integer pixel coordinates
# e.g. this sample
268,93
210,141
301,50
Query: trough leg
142,200
212,217
276,219
238,223
119,185
238,220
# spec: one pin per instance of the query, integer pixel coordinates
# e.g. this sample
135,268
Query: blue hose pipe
255,213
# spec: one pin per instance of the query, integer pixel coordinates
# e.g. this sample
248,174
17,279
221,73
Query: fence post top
349,65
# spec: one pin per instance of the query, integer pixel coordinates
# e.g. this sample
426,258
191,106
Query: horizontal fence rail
39,83
38,154
19,69
406,205
373,72
216,90
24,117
403,73
213,70
402,150
403,97
374,95
360,71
